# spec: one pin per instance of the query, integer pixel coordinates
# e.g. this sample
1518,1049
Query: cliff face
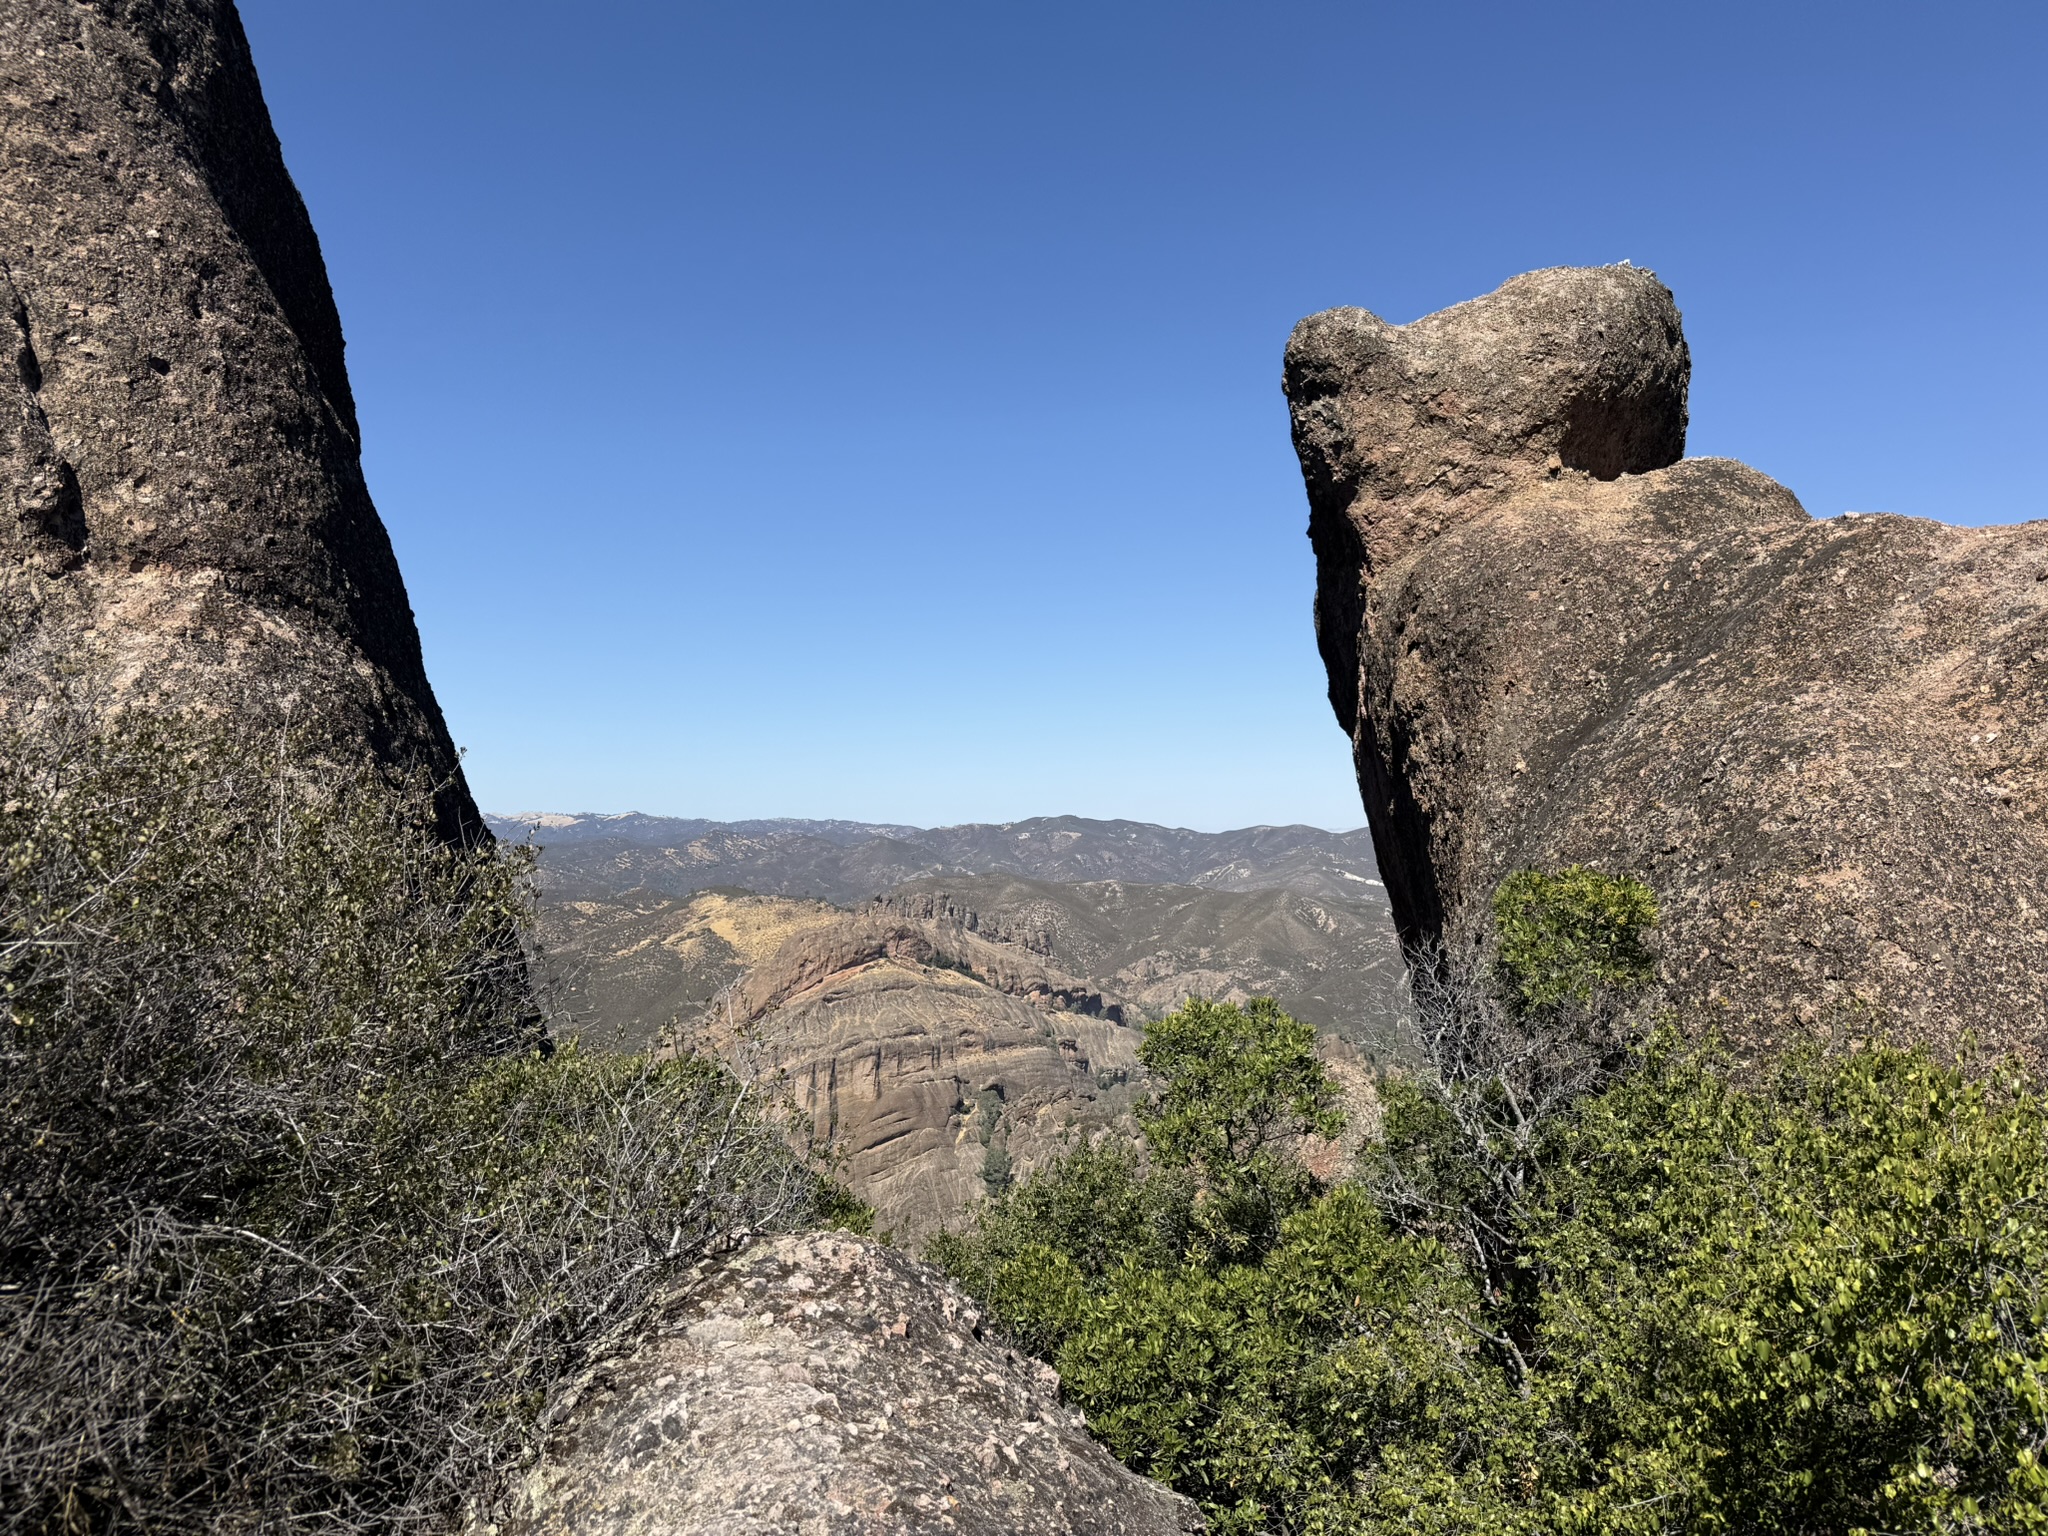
927,1058
179,450
1554,640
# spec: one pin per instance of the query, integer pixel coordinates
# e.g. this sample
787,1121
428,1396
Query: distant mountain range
847,862
930,994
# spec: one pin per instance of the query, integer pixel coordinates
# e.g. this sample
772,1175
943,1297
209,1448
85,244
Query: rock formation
940,940
827,1386
1554,640
930,1062
180,455
625,970
646,918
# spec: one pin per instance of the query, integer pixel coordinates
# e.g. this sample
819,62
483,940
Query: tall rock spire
181,486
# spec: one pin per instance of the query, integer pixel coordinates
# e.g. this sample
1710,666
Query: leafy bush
1817,1305
1273,1391
1588,1284
299,1223
1040,1246
1566,935
1239,1089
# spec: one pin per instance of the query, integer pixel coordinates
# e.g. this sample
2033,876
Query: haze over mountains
848,862
1148,914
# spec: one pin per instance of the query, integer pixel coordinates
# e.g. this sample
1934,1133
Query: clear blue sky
822,409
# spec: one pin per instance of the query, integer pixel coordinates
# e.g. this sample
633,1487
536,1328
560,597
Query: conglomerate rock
826,1385
181,491
1553,640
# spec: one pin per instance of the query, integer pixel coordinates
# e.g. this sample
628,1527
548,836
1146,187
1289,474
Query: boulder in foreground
830,1386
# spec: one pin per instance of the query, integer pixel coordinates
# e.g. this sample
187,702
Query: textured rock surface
1821,743
927,1057
937,939
826,1386
179,452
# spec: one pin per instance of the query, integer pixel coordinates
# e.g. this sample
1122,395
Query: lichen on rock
182,503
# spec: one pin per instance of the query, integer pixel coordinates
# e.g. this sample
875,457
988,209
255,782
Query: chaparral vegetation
300,1219
1589,1277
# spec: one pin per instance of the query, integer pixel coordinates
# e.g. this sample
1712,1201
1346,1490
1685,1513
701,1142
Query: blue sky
821,409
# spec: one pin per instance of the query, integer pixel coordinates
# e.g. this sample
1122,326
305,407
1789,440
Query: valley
948,1007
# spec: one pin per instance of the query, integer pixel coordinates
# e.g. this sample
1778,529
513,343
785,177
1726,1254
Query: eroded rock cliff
930,1062
179,453
828,1386
1554,640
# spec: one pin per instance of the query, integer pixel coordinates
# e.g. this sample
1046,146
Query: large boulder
1554,640
179,458
825,1385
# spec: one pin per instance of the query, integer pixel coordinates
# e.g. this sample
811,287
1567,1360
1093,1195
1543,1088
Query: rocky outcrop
1554,640
828,1386
940,941
936,1047
928,1063
623,972
179,454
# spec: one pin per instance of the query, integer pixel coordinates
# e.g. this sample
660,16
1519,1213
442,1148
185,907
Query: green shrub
1234,1082
995,1167
299,1224
1039,1246
1814,1306
1591,1285
1566,935
1239,1087
1275,1392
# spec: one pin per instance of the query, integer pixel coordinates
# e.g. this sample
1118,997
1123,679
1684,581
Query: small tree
1511,1044
1239,1087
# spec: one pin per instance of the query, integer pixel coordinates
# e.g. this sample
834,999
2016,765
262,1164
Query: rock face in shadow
829,1386
928,1060
1554,640
179,453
